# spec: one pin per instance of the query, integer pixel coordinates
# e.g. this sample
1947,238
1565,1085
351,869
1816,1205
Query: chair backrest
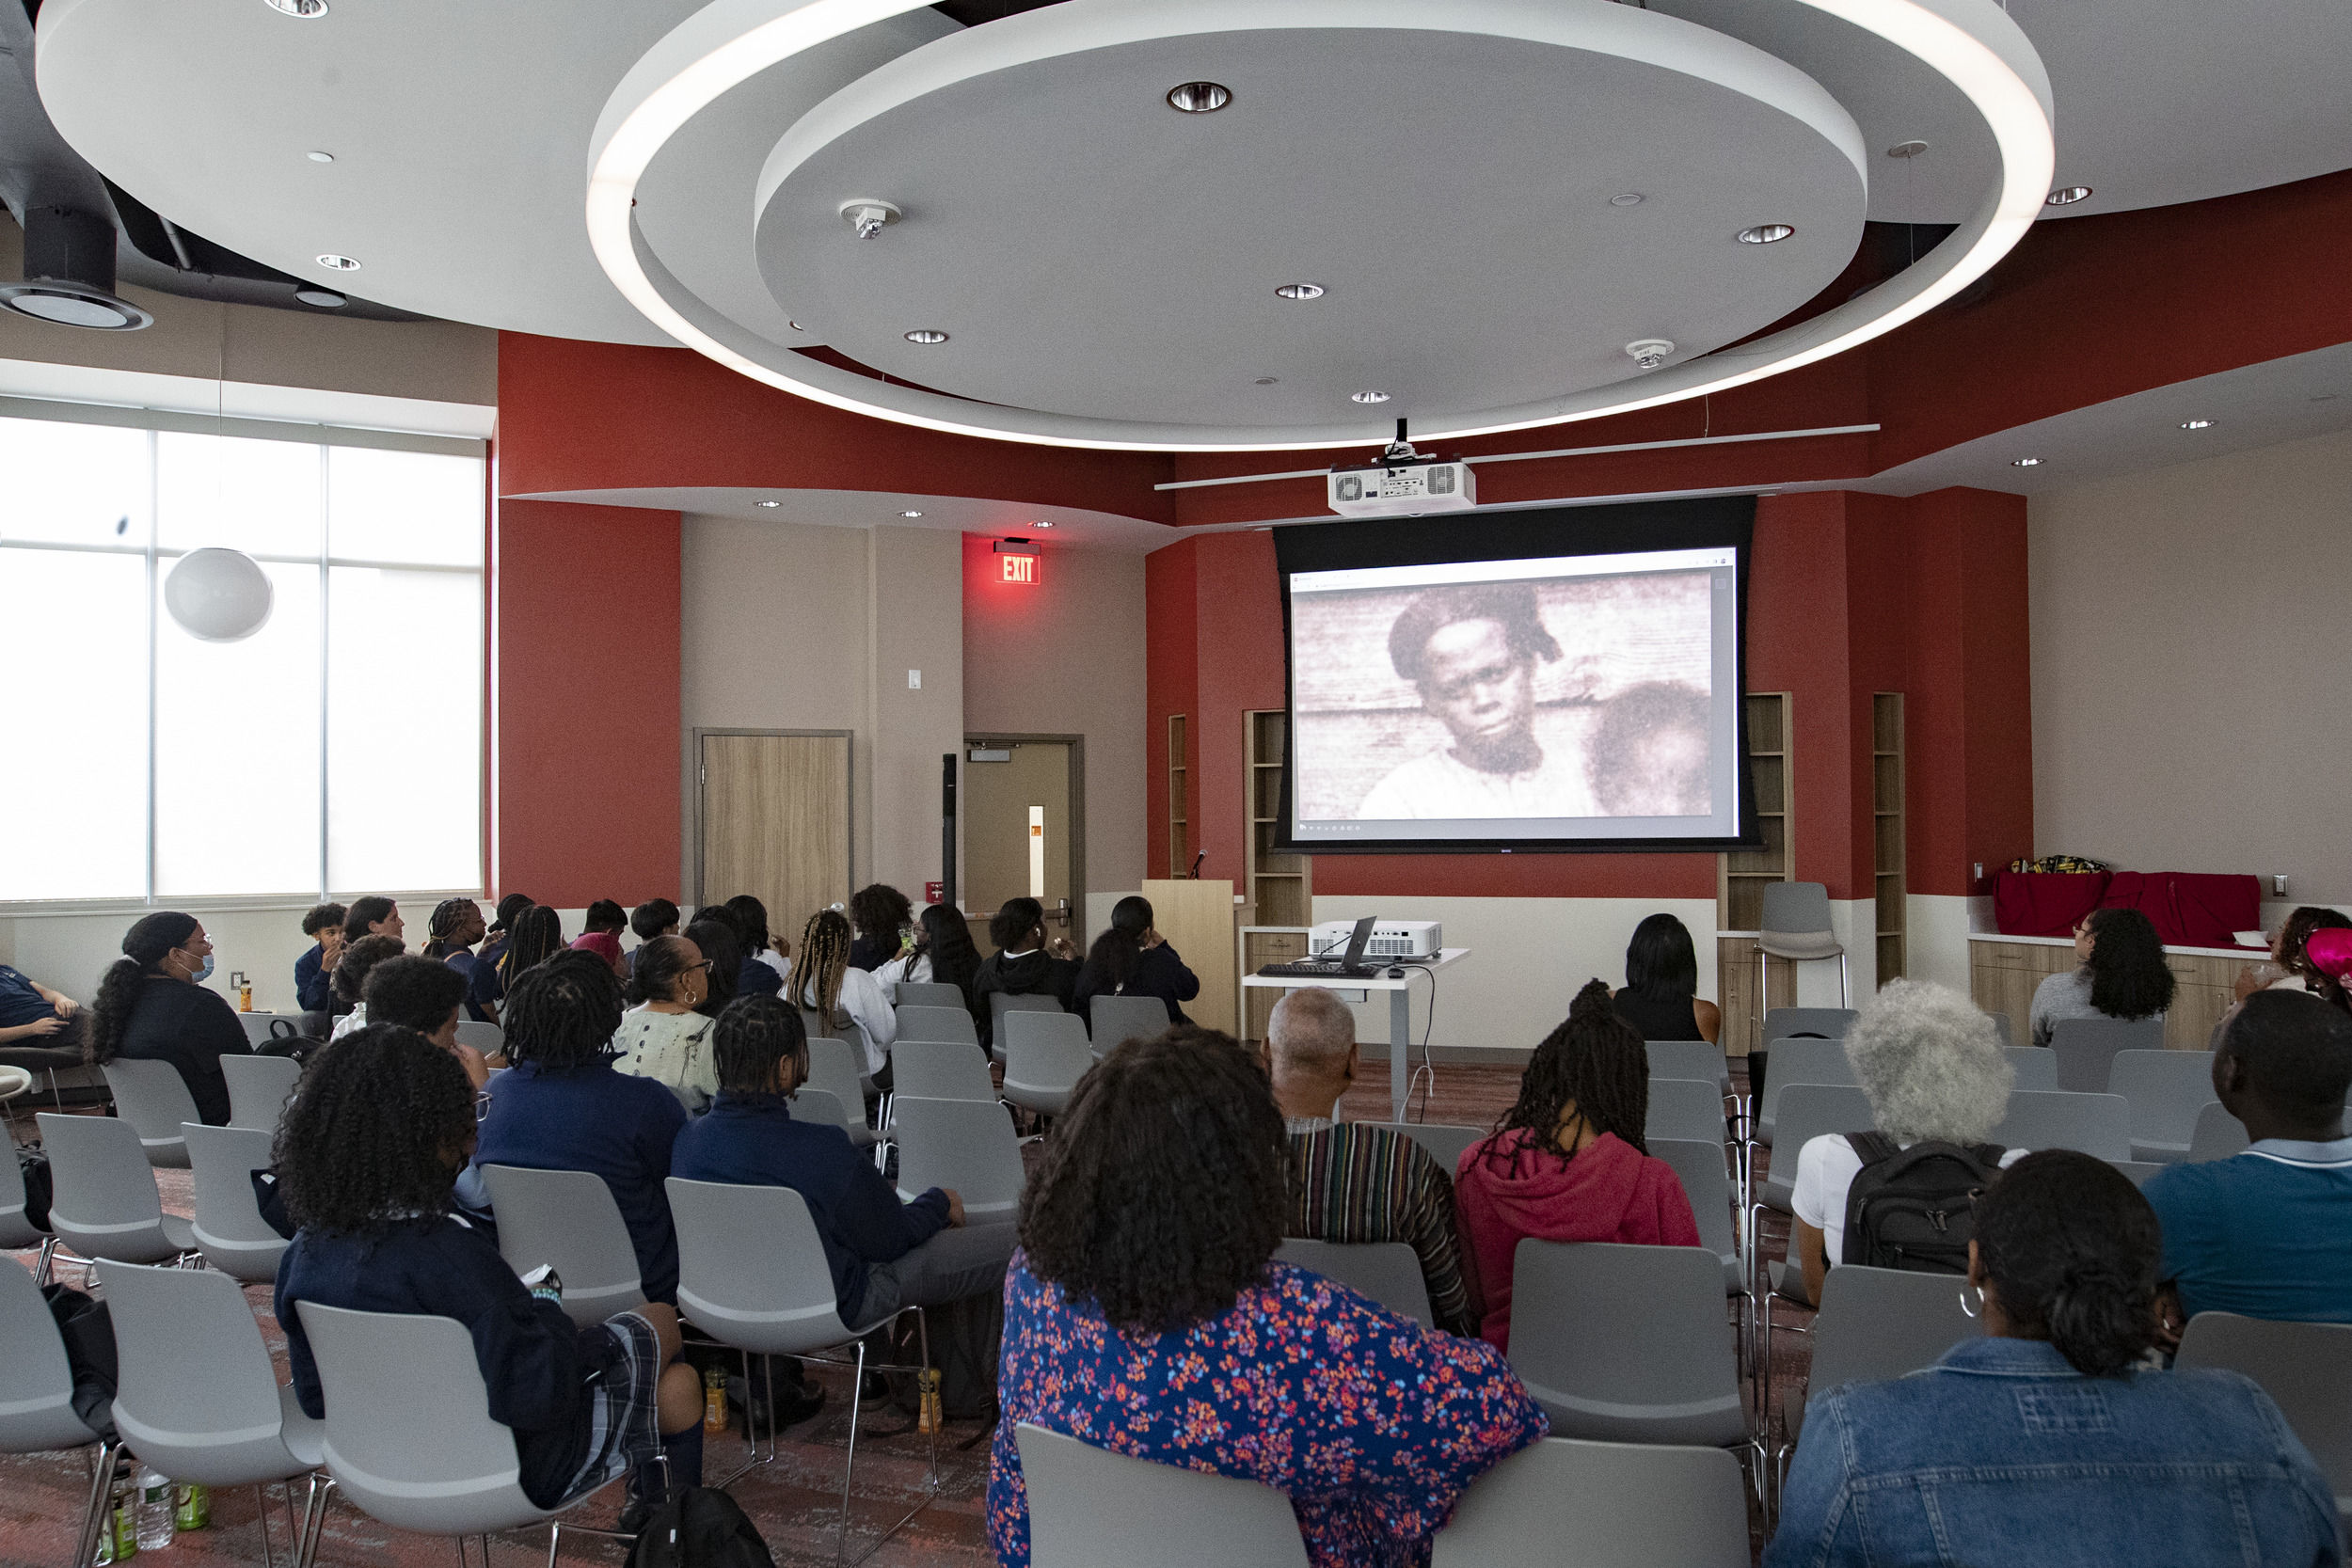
1444,1142
2217,1134
776,1297
1698,1165
1684,1108
568,1220
949,1026
1701,1059
259,1087
1387,1272
965,1144
1089,1506
229,1224
2086,1047
2096,1124
36,1380
195,1394
929,993
1809,1110
1880,1323
2037,1066
2000,1029
1798,1061
2306,1369
409,1438
1784,1024
105,1203
822,1107
1117,1020
1630,1503
1044,1050
2140,1170
488,1039
835,1067
16,1230
1668,1376
154,1099
1001,1002
940,1069
2166,1090
1795,908
256,1027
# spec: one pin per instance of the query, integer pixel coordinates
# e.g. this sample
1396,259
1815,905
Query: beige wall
2189,636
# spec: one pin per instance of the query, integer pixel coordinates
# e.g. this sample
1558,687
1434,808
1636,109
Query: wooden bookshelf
1887,788
1179,802
1280,888
1741,875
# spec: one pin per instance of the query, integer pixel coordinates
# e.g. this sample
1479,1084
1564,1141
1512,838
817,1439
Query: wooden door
1020,831
775,823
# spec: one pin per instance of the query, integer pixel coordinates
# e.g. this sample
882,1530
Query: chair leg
1845,989
314,1517
46,1269
848,1465
94,1516
260,1518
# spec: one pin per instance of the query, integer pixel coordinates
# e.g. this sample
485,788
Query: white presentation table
1400,1007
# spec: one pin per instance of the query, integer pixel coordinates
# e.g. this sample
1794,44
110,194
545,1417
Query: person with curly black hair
417,994
2119,973
351,979
881,915
314,971
366,1156
152,1005
1146,1314
1567,1162
2053,1441
561,1106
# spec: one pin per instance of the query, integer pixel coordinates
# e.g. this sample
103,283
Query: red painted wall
1171,685
585,717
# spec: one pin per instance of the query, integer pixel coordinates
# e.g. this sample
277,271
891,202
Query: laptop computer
1351,967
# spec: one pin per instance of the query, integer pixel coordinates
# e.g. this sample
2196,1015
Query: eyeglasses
482,1105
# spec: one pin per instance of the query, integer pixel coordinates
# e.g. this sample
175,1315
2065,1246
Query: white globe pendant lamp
218,595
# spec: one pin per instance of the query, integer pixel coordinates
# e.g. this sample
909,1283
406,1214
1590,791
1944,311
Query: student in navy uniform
1023,964
1132,959
33,1015
482,989
315,972
151,1007
536,935
455,926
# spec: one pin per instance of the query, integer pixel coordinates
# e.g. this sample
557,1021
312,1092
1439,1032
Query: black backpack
699,1527
1915,1208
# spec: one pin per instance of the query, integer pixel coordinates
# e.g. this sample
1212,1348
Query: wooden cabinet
1280,886
1179,802
1886,801
1742,874
2003,975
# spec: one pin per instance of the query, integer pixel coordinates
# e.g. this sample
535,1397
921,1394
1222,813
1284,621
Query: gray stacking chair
2164,1089
154,1099
2137,1170
929,993
259,1087
1796,925
196,1397
1669,1376
2099,1125
1045,1055
1649,1503
106,1204
257,1030
1876,1324
1115,1019
968,1145
2037,1066
2086,1047
488,1039
836,1068
36,1396
1445,1144
2306,1369
999,1004
752,1273
228,1228
1794,1062
1684,1108
1387,1272
2000,1028
843,1028
16,1229
938,1069
568,1220
1807,1112
1700,1059
2218,1135
1787,1023
822,1107
947,1026
1090,1506
1698,1165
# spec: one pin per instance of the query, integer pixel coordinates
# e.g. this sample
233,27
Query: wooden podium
1197,918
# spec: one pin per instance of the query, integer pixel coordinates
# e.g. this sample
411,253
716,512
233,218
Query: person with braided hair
2054,1441
826,988
1566,1162
450,934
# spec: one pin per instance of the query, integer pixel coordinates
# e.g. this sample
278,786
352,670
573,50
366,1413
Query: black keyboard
1322,969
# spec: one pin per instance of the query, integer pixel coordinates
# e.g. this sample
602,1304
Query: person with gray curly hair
1931,1063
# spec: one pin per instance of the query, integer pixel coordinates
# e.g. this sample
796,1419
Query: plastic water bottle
155,1529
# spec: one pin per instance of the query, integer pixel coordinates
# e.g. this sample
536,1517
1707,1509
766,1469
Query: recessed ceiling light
321,156
927,335
333,263
2196,424
309,10
1043,522
910,514
2066,195
767,503
1907,149
1301,290
326,299
1626,198
1270,380
1766,233
1367,397
1199,97
2025,462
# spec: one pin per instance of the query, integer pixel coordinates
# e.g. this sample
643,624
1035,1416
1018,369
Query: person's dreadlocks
449,917
1595,1061
823,962
370,1136
562,1013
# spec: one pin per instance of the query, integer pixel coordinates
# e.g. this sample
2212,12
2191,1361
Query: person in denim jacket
2050,1440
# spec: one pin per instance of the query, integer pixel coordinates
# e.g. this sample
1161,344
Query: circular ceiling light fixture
1368,396
218,595
2025,462
2196,424
767,505
1766,233
309,10
1199,97
927,335
66,303
910,514
1972,45
1907,150
1301,290
1626,198
333,263
326,299
2066,195
320,155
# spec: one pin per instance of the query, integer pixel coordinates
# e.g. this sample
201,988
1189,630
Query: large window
339,747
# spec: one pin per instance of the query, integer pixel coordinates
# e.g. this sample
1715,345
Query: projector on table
1390,939
1403,484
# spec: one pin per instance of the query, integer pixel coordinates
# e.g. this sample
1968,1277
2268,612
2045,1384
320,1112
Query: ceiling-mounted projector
1403,484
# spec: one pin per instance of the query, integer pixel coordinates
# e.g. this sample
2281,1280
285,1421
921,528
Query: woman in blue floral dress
1144,1314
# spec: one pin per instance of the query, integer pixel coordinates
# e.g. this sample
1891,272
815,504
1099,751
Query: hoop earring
1971,1312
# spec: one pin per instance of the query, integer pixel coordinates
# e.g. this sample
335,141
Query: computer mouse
1397,972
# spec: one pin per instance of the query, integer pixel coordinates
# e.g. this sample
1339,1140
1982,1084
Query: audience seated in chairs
1567,1163
883,920
2290,967
365,1159
1024,964
655,917
536,936
2120,972
886,1255
1132,959
1931,1065
601,933
450,934
359,962
825,983
2050,1441
2267,1233
943,954
1145,1314
420,994
315,972
33,1015
562,1107
662,1036
150,1007
1351,1182
750,919
1660,997
486,984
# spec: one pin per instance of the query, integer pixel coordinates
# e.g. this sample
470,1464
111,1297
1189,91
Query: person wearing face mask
153,1006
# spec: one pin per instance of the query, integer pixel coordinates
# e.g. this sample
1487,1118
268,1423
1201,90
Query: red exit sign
1016,562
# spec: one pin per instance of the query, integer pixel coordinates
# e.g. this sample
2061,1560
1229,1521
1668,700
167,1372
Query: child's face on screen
1473,680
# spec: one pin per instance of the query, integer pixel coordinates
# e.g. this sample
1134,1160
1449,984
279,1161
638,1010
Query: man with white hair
1353,1181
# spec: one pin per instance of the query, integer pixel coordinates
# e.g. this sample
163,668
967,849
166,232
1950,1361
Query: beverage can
192,1506
714,1399
125,1526
930,1419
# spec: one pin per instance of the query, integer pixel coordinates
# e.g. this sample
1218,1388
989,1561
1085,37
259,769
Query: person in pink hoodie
1567,1163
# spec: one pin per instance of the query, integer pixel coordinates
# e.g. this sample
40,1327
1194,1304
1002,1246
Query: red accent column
1171,684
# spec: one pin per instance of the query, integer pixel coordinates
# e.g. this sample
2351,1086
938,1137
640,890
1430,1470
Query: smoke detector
1649,353
868,216
70,273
